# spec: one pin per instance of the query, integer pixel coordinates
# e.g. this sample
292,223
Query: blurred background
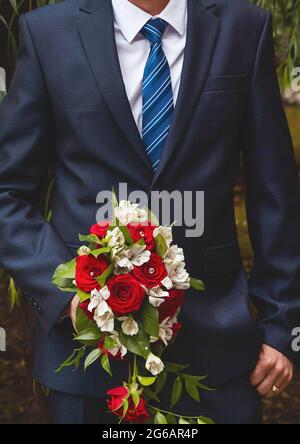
21,399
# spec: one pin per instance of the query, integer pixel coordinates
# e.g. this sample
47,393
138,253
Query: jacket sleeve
273,205
30,249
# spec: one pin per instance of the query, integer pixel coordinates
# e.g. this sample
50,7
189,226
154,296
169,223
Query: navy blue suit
67,110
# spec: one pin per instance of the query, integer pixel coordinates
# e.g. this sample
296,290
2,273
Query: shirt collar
131,19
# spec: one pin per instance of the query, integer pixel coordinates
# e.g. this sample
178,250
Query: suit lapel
98,39
202,34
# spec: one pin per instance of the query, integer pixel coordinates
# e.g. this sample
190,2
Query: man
80,103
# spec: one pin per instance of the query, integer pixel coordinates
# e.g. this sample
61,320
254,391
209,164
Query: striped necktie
158,104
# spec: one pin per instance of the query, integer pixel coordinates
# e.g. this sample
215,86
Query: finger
260,372
281,383
270,380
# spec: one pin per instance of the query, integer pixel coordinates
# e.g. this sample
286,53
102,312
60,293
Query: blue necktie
158,104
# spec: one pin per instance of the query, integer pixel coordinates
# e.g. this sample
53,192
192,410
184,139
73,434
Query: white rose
157,296
104,317
129,326
165,232
154,364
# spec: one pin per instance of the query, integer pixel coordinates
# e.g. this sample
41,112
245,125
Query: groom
88,102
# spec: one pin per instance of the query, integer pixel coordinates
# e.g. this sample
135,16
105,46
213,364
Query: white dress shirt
133,48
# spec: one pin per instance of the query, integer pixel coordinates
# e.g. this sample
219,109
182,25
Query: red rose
100,229
84,307
176,328
152,273
145,232
88,268
136,415
117,397
170,306
126,294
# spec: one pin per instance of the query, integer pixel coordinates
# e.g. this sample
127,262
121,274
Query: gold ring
275,389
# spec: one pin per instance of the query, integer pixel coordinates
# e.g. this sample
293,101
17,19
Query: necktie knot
154,30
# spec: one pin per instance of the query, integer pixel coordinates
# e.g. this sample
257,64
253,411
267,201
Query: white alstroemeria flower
157,296
174,256
114,238
127,258
165,332
154,364
138,255
129,326
97,297
167,283
104,317
179,276
128,212
119,348
165,232
83,251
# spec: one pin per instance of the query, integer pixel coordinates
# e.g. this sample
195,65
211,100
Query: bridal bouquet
131,280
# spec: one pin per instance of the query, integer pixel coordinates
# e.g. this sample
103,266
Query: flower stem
173,414
134,369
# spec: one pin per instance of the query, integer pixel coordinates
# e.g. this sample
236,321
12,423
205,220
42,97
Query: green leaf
100,251
171,419
172,367
150,319
109,343
89,238
205,420
92,357
160,418
83,296
147,381
161,381
105,364
104,276
176,391
126,234
138,344
83,322
197,284
125,407
72,360
136,398
64,274
89,336
183,421
161,245
192,390
151,395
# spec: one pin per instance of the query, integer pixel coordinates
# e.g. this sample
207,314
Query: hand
73,310
272,370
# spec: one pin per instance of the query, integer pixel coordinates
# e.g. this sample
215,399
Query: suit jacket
67,110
